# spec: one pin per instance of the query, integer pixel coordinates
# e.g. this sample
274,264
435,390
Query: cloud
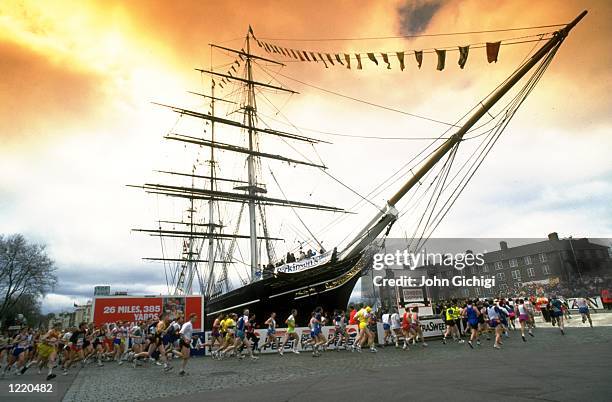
416,15
42,98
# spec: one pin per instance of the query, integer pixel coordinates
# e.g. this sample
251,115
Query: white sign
430,328
594,303
303,334
412,295
304,264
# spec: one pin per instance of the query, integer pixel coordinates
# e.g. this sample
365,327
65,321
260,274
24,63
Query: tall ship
228,251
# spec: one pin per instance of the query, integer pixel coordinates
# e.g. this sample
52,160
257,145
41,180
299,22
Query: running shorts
362,325
44,350
386,327
523,317
473,324
583,310
493,323
450,323
240,334
18,351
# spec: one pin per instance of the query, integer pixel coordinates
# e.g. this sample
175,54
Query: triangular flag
400,58
322,59
283,52
348,60
234,68
492,51
241,56
314,58
371,57
463,55
276,49
293,53
386,60
299,54
418,55
441,59
251,31
358,61
267,47
305,55
338,59
259,43
329,58
213,83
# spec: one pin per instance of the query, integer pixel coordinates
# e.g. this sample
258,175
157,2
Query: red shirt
352,317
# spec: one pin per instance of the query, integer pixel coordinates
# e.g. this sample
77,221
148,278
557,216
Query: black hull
328,286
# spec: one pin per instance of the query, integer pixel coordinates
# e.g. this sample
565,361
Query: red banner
136,309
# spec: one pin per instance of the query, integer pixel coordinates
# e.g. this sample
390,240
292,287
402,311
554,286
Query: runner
493,312
557,312
76,343
523,315
406,319
472,313
340,332
186,334
47,350
291,334
396,327
316,333
215,335
415,327
583,309
386,321
271,332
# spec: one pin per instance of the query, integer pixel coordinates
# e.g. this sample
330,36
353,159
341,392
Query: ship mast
250,122
389,214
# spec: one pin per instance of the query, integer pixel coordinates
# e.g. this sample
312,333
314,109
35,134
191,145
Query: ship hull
328,286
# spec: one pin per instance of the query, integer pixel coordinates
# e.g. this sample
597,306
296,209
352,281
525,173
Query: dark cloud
39,94
416,15
80,280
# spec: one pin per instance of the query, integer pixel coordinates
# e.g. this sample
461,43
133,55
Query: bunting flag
234,68
441,59
400,58
463,55
342,59
386,60
418,55
373,58
251,32
241,56
322,59
492,51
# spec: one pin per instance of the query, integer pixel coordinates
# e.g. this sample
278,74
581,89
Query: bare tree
25,271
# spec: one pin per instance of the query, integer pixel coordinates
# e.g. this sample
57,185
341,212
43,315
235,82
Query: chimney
503,245
553,236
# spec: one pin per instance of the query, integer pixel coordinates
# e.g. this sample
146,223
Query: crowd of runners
158,342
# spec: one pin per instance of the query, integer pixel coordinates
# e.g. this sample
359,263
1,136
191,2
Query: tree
26,274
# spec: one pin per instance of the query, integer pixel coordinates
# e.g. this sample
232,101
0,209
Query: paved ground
551,367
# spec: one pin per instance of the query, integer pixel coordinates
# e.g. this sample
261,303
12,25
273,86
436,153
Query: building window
527,260
517,285
513,262
498,265
545,270
503,286
530,272
478,291
516,274
543,257
465,292
501,276
485,268
473,270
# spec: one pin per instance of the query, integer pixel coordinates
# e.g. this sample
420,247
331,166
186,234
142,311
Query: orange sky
76,123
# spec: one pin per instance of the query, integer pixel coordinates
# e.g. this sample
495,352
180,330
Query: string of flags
355,60
235,65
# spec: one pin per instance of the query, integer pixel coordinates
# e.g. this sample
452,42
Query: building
566,265
81,313
559,263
